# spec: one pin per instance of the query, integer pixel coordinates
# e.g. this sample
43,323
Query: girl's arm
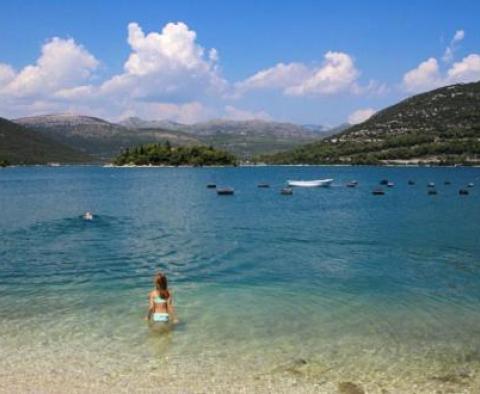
151,307
171,310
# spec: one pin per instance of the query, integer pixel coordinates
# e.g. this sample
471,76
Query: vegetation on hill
441,127
166,154
19,145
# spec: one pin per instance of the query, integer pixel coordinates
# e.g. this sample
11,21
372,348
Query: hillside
97,137
19,145
244,138
441,126
105,140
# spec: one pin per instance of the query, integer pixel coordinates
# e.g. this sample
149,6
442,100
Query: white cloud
7,74
183,113
234,113
451,48
467,70
424,77
169,65
337,74
62,64
429,76
166,74
360,115
459,35
280,76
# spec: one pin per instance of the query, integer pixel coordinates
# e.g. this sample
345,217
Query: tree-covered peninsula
165,154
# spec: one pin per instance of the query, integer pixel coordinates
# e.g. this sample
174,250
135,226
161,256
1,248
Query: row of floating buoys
228,191
288,191
431,187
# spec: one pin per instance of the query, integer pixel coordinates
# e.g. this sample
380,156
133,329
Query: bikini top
159,300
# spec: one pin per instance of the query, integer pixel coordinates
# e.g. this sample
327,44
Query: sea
326,290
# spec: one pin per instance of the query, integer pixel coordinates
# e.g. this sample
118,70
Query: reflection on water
328,287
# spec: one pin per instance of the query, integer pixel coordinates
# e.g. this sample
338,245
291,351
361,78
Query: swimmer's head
161,284
88,215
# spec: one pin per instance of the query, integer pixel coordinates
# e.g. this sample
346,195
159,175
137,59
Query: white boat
314,183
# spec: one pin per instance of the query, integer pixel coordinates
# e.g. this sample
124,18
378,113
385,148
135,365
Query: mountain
98,137
244,138
316,128
249,127
252,137
105,140
19,145
337,129
441,126
138,123
225,126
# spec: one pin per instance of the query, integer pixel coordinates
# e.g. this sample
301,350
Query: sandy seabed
84,372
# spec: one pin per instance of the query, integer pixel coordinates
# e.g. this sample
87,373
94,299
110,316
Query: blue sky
300,61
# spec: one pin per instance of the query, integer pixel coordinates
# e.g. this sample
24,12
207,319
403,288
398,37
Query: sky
309,62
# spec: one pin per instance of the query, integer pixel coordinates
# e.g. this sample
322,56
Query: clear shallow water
274,292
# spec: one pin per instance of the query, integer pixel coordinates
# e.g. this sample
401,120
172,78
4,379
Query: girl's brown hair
161,285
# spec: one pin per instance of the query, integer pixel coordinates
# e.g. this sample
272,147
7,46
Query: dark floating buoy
463,192
378,192
447,183
411,183
263,185
211,186
432,192
227,191
352,184
286,191
471,184
384,182
390,184
431,184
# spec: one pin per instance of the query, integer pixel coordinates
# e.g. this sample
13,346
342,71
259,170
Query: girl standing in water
160,303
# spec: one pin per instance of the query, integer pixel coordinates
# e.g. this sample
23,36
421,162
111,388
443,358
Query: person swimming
160,302
88,216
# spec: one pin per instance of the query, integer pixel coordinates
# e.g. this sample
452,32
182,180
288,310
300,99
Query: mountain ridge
106,140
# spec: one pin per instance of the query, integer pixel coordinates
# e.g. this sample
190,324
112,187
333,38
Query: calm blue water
337,276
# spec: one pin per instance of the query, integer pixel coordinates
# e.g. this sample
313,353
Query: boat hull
314,183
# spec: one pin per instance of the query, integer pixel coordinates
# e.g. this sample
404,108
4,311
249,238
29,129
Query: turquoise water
324,286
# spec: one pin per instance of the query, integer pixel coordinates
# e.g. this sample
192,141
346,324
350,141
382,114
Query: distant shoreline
411,165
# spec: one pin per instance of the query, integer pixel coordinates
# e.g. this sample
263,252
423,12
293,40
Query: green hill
19,145
441,127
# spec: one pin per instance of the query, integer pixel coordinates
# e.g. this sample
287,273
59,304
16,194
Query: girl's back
160,307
